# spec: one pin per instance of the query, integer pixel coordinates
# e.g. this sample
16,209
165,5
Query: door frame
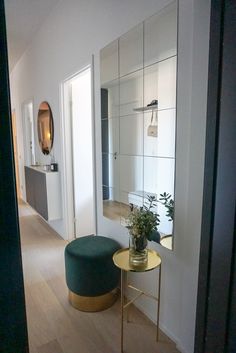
68,191
13,325
216,302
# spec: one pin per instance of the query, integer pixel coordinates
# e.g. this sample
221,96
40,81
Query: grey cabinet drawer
29,185
40,193
43,192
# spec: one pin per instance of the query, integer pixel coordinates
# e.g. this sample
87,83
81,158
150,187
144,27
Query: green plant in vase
142,223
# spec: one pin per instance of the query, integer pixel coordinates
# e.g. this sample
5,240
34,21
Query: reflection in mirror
138,111
131,50
45,128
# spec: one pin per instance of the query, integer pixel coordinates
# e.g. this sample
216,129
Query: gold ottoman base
92,304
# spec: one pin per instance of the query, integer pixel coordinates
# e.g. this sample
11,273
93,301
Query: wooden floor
56,327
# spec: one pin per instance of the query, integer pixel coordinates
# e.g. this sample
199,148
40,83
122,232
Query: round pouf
91,276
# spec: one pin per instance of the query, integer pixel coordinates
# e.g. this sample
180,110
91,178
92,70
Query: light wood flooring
56,327
116,211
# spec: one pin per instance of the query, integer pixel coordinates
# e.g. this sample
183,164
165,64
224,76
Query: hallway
56,327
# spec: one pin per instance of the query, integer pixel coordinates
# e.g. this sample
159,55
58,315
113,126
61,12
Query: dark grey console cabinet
43,192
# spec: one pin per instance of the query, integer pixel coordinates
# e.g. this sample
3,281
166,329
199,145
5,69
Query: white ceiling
23,19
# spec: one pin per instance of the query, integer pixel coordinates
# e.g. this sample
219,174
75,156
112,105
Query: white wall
71,34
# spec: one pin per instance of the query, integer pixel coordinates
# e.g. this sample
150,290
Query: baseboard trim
181,349
163,329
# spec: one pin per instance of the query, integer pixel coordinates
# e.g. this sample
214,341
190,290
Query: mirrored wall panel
138,119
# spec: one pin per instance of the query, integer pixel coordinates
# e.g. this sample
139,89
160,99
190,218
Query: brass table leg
158,303
126,288
121,260
122,310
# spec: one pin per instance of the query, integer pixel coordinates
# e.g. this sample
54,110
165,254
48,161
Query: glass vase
138,253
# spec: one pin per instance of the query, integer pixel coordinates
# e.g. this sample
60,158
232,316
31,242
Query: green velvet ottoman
91,276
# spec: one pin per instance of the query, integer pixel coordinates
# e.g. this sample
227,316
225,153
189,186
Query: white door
79,152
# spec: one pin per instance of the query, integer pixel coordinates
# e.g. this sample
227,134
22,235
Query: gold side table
121,260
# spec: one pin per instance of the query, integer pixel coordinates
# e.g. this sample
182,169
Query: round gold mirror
45,128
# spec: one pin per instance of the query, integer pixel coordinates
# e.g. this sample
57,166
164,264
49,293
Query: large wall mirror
45,128
138,112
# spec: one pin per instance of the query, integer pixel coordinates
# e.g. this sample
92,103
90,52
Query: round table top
121,260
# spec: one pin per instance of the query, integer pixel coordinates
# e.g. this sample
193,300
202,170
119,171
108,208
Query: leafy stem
166,200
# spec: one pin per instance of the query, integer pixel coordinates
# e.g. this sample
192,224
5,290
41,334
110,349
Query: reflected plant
166,200
143,221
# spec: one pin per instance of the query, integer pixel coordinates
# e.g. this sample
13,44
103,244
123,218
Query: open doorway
28,133
78,151
16,156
